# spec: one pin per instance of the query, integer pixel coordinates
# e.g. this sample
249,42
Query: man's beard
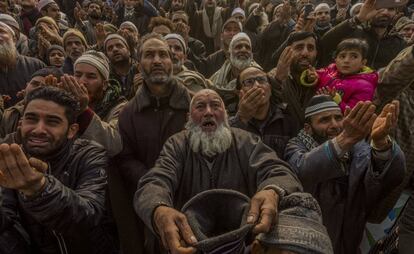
120,61
381,22
95,15
157,78
209,144
8,54
298,68
43,152
177,7
321,138
240,64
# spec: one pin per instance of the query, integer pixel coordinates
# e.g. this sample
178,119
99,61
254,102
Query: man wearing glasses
261,112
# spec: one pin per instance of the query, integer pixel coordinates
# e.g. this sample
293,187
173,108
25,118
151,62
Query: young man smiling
54,185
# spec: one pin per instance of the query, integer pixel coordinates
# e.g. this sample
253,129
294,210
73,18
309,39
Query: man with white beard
224,80
15,69
210,155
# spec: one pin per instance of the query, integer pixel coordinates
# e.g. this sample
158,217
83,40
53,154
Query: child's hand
311,75
331,92
326,91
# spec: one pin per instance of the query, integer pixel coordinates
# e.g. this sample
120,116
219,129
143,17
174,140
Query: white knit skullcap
8,28
238,37
353,8
322,6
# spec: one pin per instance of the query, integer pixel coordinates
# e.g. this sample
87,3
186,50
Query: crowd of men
206,126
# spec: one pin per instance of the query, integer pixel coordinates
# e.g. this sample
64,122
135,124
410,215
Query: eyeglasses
249,83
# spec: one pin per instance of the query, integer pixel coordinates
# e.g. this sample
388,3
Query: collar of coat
178,99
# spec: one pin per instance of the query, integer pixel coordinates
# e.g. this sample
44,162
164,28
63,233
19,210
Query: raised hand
368,11
51,81
385,123
249,103
78,12
357,124
341,15
283,66
70,84
19,173
100,34
175,232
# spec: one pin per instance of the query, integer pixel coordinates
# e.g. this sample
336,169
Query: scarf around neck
212,30
111,98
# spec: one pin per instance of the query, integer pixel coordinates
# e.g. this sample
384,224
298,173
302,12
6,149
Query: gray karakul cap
218,220
299,227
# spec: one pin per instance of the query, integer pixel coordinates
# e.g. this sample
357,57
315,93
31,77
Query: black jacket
69,216
380,53
275,131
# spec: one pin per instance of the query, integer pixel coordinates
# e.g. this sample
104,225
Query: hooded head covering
48,20
319,104
10,21
97,60
8,28
238,37
113,37
238,10
180,40
129,24
43,3
77,33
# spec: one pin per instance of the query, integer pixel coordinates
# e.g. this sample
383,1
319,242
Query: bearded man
15,69
384,45
346,174
224,80
158,110
123,66
88,27
210,155
193,80
299,55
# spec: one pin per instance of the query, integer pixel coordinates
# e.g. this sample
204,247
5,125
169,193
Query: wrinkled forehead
323,9
154,45
206,96
251,72
242,41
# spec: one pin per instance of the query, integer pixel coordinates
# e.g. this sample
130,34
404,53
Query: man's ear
308,128
188,116
73,130
105,85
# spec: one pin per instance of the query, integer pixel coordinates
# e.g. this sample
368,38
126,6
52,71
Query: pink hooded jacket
352,88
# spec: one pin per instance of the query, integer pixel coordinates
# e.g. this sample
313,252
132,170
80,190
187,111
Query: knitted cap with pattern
319,104
299,227
96,59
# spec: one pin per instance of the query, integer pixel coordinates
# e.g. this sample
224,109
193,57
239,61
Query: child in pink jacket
348,76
